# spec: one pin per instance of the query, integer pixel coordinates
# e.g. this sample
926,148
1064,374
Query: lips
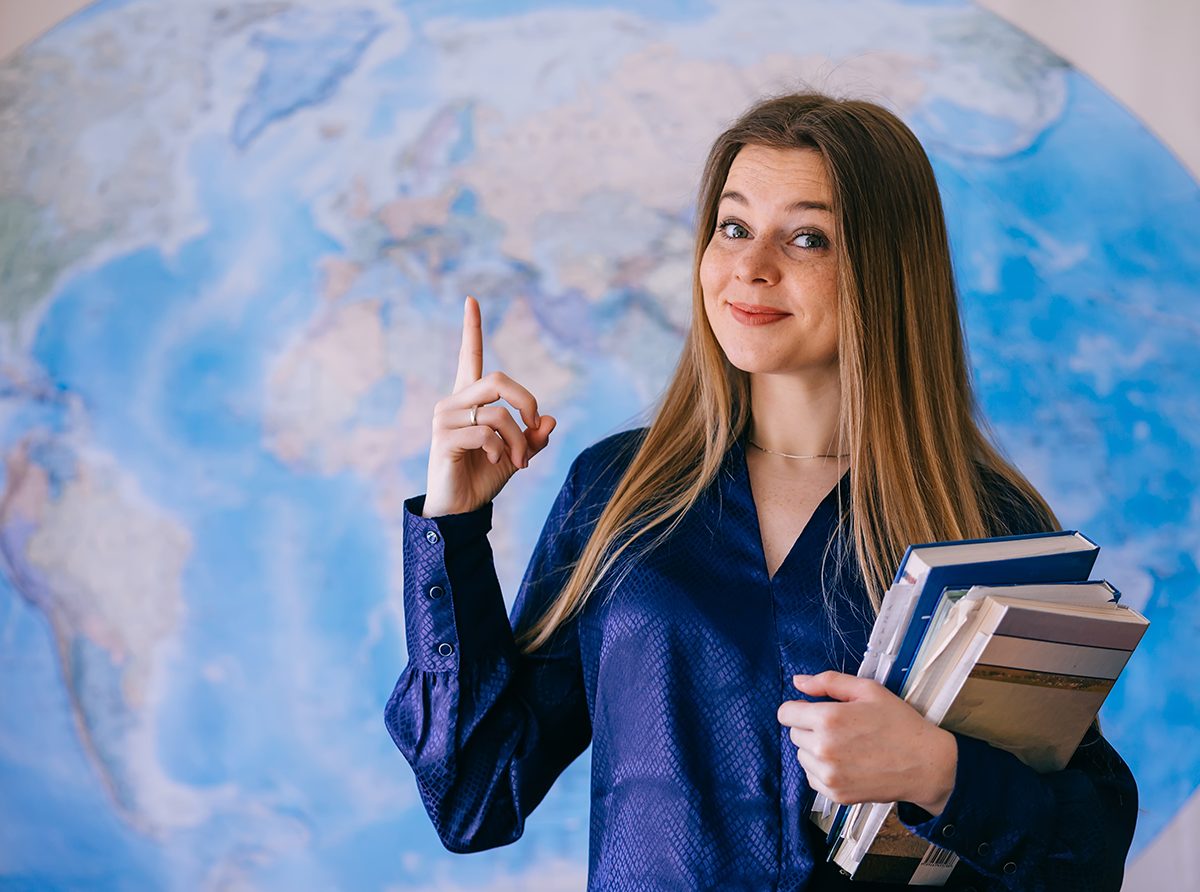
756,314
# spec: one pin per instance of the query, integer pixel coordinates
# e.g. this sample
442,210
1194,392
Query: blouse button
984,848
432,537
1010,868
445,648
948,831
436,592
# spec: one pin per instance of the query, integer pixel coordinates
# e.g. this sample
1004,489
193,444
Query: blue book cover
1066,556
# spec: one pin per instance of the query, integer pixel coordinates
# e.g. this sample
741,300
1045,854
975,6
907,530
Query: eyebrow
794,206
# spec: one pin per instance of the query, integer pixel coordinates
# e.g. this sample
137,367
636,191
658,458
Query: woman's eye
734,230
810,240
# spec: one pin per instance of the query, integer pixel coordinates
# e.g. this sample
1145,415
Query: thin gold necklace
786,455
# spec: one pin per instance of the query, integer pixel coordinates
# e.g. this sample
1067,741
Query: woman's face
769,274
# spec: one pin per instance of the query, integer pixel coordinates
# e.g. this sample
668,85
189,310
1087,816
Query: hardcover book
929,569
1025,668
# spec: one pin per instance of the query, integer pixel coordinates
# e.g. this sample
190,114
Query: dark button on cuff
432,537
445,648
436,591
984,848
948,831
1010,868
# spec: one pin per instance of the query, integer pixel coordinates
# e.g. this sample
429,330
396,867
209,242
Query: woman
692,576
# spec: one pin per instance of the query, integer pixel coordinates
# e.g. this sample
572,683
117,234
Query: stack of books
1002,639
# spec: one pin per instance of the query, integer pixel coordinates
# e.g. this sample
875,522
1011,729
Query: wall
1142,51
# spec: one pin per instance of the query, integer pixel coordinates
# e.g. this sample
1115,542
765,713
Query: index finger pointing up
470,357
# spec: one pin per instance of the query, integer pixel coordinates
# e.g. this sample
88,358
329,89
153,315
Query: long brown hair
918,449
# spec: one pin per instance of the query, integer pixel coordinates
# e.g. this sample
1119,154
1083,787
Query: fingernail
537,420
798,680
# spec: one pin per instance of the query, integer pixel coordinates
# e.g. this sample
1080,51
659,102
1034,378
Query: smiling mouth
756,314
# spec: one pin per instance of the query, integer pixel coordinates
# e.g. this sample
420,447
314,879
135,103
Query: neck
796,415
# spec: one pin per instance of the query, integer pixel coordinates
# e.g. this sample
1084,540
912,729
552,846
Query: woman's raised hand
477,447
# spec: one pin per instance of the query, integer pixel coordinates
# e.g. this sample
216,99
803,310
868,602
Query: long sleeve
1066,831
485,728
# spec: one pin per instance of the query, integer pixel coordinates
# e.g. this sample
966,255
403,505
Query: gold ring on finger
474,412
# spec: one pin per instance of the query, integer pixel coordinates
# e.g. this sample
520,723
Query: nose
758,263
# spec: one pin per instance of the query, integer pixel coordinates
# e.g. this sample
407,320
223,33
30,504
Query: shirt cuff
996,819
453,608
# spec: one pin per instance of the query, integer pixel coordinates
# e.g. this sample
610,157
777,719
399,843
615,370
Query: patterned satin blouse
673,673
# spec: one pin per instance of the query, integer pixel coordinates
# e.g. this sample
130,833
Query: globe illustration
235,238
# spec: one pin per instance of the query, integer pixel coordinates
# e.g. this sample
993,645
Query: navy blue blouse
674,673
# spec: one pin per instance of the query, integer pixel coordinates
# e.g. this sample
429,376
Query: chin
767,352
760,362
752,365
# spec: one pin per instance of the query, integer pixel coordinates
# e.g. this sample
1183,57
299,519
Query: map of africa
234,241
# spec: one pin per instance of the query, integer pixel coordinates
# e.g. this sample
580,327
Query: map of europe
235,238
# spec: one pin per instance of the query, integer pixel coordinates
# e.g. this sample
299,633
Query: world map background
234,239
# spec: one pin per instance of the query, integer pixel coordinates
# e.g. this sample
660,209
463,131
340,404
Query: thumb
539,436
836,685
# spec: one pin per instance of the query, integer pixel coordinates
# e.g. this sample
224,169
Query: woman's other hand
476,446
869,745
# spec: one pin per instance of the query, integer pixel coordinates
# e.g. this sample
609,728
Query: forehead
759,173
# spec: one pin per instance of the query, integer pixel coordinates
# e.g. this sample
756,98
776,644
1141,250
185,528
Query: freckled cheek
822,300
